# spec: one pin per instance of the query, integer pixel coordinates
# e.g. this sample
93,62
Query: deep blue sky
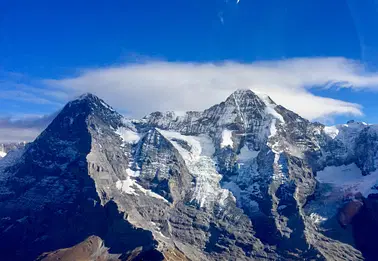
51,39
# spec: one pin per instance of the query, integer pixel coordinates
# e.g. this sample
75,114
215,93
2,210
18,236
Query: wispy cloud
24,128
17,87
149,85
140,88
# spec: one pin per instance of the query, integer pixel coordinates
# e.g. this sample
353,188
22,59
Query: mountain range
245,179
9,146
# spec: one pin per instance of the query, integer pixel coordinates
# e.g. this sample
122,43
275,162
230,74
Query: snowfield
227,139
201,165
127,135
348,179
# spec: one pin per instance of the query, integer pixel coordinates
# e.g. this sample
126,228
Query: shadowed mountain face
243,180
49,200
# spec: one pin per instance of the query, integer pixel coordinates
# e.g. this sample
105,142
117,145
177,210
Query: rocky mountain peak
231,182
253,105
243,99
241,95
89,105
89,100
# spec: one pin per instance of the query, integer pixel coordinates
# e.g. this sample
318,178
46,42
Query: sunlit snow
317,219
331,131
201,165
227,139
126,185
133,173
273,129
130,186
128,135
270,106
348,179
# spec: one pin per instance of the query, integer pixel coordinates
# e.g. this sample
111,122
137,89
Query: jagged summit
242,92
245,179
251,95
245,101
91,99
243,111
87,105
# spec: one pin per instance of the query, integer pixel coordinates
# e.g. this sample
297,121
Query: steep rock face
159,167
243,180
48,193
275,152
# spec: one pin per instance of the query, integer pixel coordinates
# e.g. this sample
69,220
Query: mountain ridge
235,181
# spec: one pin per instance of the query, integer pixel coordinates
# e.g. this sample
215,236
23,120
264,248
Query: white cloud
150,86
18,135
25,128
11,89
140,88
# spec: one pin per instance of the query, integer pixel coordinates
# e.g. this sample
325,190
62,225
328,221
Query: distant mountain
5,148
243,180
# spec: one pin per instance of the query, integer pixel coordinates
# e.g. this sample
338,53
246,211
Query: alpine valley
243,180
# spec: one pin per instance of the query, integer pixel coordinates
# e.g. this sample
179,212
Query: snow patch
331,131
278,173
126,186
2,154
133,173
200,145
270,106
317,219
247,154
348,179
201,165
273,129
227,139
130,186
127,135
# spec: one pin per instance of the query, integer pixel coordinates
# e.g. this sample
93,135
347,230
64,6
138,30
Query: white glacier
348,179
128,135
227,138
201,165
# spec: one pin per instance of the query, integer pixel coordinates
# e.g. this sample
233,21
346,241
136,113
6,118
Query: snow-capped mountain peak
245,179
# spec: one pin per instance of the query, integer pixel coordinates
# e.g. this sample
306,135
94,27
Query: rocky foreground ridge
243,180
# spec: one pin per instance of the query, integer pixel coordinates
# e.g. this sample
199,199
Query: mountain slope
243,180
